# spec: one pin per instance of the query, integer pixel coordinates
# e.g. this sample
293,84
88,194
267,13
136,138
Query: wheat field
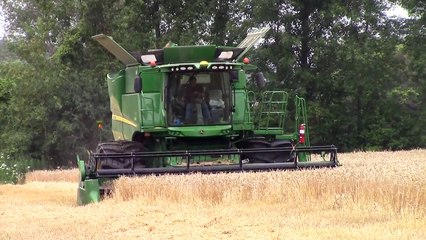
374,195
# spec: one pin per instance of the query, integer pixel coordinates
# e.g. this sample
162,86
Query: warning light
152,64
246,61
100,124
204,64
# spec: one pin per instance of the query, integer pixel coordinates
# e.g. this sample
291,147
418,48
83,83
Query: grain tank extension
184,109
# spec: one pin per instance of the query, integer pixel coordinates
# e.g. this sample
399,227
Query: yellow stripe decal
124,120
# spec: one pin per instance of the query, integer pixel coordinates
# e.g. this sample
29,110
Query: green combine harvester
186,109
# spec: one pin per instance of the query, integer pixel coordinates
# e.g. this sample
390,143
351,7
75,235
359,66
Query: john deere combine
184,109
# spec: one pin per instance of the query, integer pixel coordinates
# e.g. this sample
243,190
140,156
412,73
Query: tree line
361,71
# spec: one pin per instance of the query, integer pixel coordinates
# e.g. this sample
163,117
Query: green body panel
88,192
116,86
200,131
88,189
187,54
240,107
269,131
242,81
153,114
81,168
152,82
131,107
286,136
131,73
240,117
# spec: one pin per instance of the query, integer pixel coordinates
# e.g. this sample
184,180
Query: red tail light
302,133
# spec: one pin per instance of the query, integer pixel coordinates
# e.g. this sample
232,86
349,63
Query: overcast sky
396,11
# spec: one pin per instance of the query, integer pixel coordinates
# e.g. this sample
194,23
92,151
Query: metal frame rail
242,165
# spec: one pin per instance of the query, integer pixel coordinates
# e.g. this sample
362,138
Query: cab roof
189,54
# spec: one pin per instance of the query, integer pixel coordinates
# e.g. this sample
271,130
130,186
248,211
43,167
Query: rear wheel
120,147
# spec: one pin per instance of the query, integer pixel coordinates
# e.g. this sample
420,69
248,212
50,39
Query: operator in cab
197,110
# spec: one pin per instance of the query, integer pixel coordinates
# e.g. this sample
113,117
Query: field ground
378,195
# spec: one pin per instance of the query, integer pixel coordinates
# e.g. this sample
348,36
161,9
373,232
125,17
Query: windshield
198,98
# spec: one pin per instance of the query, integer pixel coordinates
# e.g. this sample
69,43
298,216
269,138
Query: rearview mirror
138,84
233,76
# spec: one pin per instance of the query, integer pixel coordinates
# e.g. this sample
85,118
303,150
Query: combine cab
184,109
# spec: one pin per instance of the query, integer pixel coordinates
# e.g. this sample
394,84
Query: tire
283,156
120,147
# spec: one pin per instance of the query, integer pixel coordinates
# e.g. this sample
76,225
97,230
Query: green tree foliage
412,94
345,58
60,90
362,73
